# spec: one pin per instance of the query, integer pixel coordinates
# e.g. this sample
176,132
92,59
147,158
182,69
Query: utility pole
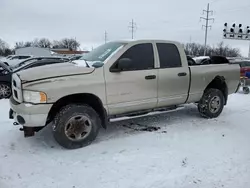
132,26
190,41
105,37
207,19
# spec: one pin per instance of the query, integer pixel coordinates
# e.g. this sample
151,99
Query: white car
14,60
200,59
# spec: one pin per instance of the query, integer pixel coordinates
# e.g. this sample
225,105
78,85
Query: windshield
102,52
3,66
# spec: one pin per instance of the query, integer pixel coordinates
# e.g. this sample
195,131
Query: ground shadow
127,127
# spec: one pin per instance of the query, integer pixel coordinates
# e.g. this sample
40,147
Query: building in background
67,52
36,51
33,51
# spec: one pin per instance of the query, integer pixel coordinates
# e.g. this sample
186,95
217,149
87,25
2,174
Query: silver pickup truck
121,78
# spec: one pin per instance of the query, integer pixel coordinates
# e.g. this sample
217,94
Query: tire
246,90
5,90
69,134
211,103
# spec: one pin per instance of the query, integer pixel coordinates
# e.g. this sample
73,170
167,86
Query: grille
17,88
14,83
15,94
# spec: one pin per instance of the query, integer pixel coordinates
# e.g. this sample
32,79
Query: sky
87,21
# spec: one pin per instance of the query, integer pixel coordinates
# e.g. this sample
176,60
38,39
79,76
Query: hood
52,71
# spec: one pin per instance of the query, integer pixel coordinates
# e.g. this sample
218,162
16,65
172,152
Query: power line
207,19
132,27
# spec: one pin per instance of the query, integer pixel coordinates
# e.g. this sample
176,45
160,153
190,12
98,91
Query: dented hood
53,71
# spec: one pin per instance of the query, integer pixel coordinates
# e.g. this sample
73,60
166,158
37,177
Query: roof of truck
144,40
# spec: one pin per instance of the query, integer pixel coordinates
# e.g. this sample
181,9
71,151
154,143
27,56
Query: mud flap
30,131
11,114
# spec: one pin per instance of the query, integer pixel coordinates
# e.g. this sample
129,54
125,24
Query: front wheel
76,126
211,103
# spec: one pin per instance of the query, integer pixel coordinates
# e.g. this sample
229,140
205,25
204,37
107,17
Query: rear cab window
169,55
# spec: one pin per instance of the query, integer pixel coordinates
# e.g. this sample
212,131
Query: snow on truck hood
53,71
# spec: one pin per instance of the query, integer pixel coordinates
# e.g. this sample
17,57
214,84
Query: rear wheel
211,103
246,90
76,126
5,91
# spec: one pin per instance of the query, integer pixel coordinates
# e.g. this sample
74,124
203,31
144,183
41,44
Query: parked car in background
206,60
14,60
9,56
4,58
33,60
6,72
5,81
39,63
200,59
244,65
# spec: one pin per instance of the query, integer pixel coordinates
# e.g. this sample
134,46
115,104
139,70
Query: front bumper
29,115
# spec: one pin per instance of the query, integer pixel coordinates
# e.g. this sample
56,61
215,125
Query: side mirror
97,64
122,64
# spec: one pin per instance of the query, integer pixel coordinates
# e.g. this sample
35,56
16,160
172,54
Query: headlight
34,96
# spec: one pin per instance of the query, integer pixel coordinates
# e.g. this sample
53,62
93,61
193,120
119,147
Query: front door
134,88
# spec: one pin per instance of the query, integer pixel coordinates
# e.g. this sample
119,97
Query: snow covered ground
186,152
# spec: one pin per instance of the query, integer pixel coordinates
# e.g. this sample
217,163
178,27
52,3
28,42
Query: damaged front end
28,131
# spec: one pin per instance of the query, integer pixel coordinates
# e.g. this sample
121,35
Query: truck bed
203,75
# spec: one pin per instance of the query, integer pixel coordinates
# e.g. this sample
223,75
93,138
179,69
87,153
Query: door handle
182,74
150,77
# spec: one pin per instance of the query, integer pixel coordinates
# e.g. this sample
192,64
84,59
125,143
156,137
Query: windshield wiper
86,63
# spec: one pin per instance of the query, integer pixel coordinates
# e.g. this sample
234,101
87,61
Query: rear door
173,81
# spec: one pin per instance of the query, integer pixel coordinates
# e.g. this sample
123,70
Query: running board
145,112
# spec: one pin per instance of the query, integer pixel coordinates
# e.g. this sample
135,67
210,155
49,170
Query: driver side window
141,56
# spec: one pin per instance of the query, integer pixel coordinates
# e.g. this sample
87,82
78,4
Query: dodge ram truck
118,79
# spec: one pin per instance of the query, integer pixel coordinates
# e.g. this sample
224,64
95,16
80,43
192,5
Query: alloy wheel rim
5,91
215,104
78,127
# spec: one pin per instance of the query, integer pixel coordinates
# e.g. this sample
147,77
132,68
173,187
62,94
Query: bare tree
4,48
23,44
195,49
28,44
42,43
56,44
68,43
3,44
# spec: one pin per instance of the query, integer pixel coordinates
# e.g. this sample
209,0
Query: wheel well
219,83
86,98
